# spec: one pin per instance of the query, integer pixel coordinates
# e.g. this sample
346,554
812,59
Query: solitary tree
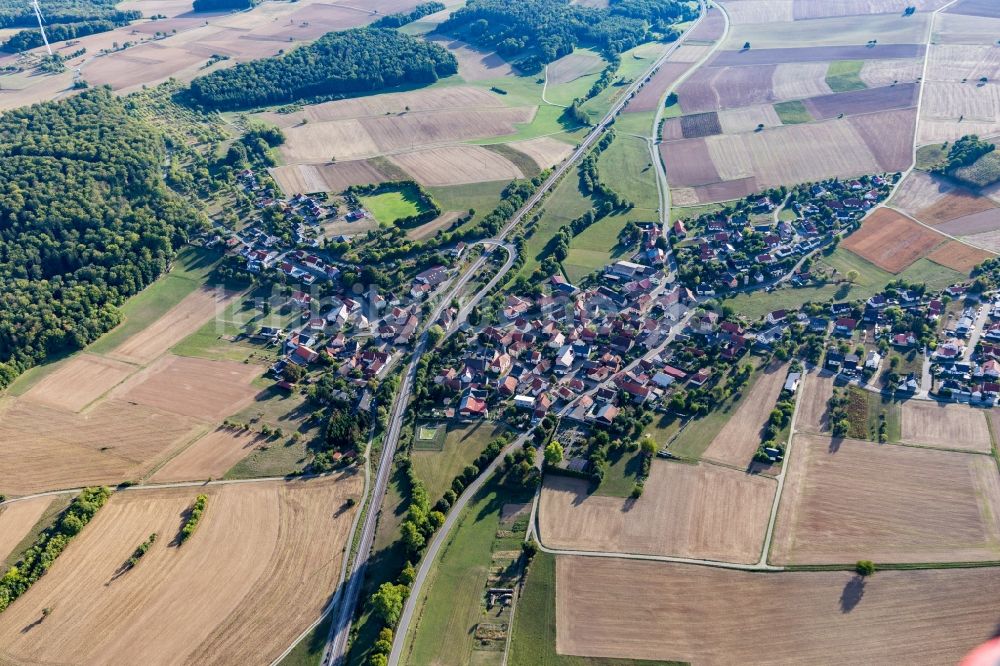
865,567
852,276
553,453
746,46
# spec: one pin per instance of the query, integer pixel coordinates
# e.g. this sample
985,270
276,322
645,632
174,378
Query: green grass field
792,113
309,652
640,124
598,245
692,212
523,162
462,444
931,156
663,428
534,639
279,409
565,93
844,75
623,472
453,602
628,169
563,205
393,205
871,280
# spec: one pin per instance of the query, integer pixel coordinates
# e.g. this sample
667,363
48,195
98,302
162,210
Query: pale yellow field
573,66
456,165
950,426
700,511
746,119
79,381
264,560
194,387
877,73
759,11
210,457
834,31
545,151
298,178
817,389
846,500
652,610
739,438
16,521
179,322
440,222
799,80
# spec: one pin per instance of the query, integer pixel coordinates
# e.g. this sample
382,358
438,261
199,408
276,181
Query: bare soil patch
16,521
302,178
846,500
195,387
456,165
652,610
739,438
79,381
211,456
946,425
717,88
114,442
977,223
545,151
815,54
959,257
889,137
727,191
701,511
257,571
891,240
856,102
688,163
179,322
648,97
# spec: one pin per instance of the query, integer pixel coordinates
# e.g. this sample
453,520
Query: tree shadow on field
851,596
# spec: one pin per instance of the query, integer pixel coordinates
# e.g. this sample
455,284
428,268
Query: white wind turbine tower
38,15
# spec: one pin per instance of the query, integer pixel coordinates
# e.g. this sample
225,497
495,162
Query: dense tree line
57,32
194,517
339,63
963,152
19,14
540,31
400,19
85,222
47,547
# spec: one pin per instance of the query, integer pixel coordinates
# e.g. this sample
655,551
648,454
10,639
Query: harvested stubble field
832,32
211,456
195,387
846,500
759,11
958,256
112,442
573,66
877,73
933,200
369,106
263,561
303,178
737,121
891,240
79,381
456,165
442,221
817,389
950,426
777,56
857,102
179,322
368,137
800,79
652,610
474,64
711,28
545,151
955,62
717,88
17,519
701,511
648,97
987,8
810,9
739,438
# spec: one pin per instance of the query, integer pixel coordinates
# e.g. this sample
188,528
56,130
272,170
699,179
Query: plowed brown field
891,240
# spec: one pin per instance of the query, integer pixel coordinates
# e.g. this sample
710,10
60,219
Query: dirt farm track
651,610
255,573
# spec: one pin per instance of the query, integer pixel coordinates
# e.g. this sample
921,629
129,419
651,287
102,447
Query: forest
19,14
222,5
400,19
85,222
31,38
339,63
536,32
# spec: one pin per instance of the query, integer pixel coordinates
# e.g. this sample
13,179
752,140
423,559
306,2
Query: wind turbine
38,15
